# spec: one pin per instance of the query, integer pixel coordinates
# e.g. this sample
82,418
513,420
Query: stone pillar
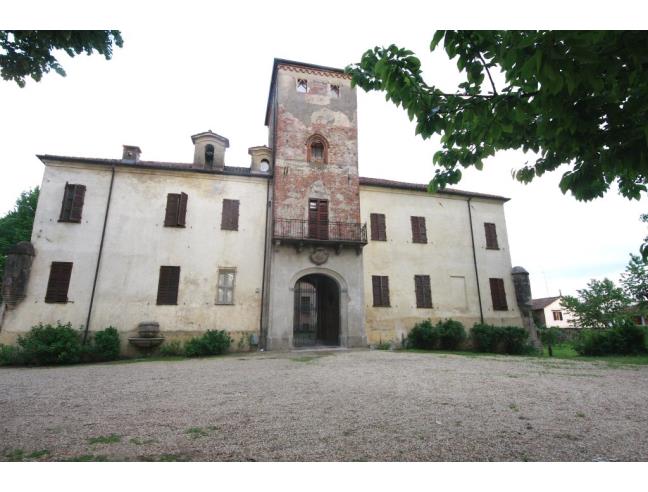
16,274
523,296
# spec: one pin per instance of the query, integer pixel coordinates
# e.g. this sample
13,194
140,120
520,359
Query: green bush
451,334
623,339
105,345
445,335
50,344
500,339
172,348
422,336
212,342
10,355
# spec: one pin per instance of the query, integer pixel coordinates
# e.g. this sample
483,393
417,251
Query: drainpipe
96,275
472,238
263,324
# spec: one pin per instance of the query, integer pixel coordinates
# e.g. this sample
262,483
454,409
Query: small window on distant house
226,277
302,85
378,229
230,215
498,295
176,210
419,233
209,155
334,90
491,236
72,206
557,315
168,285
380,287
59,282
423,291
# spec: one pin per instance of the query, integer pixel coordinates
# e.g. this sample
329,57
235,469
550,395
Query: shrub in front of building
445,335
172,348
50,344
54,344
623,339
212,342
105,345
500,339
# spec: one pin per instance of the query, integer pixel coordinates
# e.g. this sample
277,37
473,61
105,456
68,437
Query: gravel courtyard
331,406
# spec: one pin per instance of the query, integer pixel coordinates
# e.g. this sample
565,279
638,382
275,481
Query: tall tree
17,225
635,281
574,97
600,305
29,53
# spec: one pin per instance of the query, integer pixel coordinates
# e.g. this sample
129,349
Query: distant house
548,311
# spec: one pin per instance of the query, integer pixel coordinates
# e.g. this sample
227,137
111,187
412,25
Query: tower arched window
209,155
317,150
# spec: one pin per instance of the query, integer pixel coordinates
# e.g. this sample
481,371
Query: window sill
224,304
381,305
70,221
493,249
57,302
175,226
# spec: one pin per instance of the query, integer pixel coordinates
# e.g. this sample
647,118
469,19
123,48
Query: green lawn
566,351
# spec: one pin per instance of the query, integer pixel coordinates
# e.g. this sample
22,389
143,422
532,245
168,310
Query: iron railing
305,230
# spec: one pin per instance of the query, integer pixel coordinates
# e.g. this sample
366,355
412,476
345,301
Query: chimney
209,150
131,153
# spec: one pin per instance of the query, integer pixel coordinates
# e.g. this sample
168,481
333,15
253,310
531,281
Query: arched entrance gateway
317,311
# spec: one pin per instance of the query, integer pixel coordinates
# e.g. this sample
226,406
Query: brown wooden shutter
491,236
375,284
230,215
498,295
378,229
384,291
419,232
78,196
59,282
172,208
182,209
168,285
423,291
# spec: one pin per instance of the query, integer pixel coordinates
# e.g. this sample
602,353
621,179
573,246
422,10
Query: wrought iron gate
305,319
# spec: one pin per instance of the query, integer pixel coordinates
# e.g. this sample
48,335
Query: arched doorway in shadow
317,311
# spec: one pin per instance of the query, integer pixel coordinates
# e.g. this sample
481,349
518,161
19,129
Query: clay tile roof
386,183
542,302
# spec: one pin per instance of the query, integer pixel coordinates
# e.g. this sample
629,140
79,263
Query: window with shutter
378,227
226,278
498,295
230,215
491,236
59,282
168,285
380,285
423,291
176,210
72,206
419,232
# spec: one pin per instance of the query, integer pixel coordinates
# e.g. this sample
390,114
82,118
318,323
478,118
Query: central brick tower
314,275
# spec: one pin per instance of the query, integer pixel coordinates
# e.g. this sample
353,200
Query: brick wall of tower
301,115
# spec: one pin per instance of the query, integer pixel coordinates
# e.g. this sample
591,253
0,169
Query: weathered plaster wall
288,266
137,244
447,258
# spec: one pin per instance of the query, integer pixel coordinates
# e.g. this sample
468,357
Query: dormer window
317,150
334,90
302,86
209,156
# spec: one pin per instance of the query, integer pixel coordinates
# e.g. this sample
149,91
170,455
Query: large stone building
295,250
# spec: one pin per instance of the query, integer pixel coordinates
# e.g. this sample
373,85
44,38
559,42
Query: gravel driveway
313,406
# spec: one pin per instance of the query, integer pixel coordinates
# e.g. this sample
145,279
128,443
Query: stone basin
145,342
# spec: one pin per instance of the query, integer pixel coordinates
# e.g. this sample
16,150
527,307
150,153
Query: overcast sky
189,67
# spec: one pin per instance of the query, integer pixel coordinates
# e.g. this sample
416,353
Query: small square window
302,85
334,90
